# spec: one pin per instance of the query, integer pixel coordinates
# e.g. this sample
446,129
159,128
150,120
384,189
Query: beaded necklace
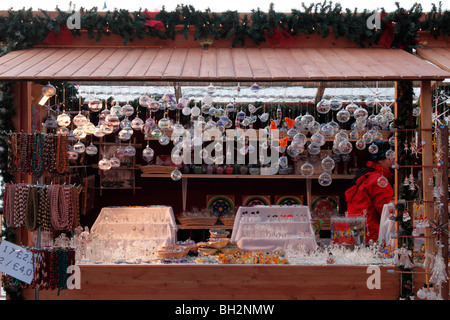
31,210
49,153
60,207
38,162
62,158
20,201
8,210
43,218
25,149
13,153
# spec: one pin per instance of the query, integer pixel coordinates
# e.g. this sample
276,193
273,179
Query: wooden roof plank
312,70
322,62
293,69
438,56
159,64
225,68
110,63
127,63
70,69
242,68
258,64
13,55
208,65
28,62
45,63
276,67
176,63
383,70
413,67
91,66
191,67
143,63
14,58
335,58
71,54
349,56
384,58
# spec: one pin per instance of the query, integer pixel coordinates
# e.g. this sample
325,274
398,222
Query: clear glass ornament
373,148
63,120
323,106
351,108
115,162
125,134
145,100
318,139
89,128
314,127
306,120
335,104
129,151
255,87
154,105
127,110
164,123
78,133
164,140
106,129
307,169
137,123
116,110
345,147
354,135
343,116
183,102
313,149
370,102
390,154
176,175
95,105
300,138
62,131
361,113
382,182
79,147
195,111
112,120
91,149
104,164
148,153
416,112
377,136
283,162
99,132
72,155
325,179
392,141
327,163
367,137
327,130
156,133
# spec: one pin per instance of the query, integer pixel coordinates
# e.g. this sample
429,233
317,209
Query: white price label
16,261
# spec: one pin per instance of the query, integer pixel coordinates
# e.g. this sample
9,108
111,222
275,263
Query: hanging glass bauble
382,182
283,162
255,87
373,148
390,154
129,151
306,120
91,150
351,108
176,175
323,106
106,129
178,129
156,133
79,133
314,127
145,100
325,179
313,149
183,102
72,155
291,133
392,141
360,144
205,108
318,139
326,130
95,105
377,136
89,128
367,137
372,119
148,153
370,102
116,110
343,116
170,102
307,169
354,135
63,120
102,116
195,111
164,123
112,120
335,126
104,164
137,123
164,140
186,111
115,162
335,104
154,105
125,123
210,89
99,132
127,110
361,113
300,138
294,150
416,111
345,147
327,163
79,147
79,120
62,131
125,134
51,123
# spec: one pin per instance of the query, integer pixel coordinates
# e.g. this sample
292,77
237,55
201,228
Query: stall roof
438,56
215,64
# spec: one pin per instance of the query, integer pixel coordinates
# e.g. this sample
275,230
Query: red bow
151,22
63,37
387,36
281,37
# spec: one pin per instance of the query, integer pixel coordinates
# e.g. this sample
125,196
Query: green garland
25,28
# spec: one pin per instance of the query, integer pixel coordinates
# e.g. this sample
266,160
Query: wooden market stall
181,61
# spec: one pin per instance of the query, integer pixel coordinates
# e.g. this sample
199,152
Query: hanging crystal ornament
323,106
377,136
116,110
370,102
416,111
51,123
115,162
373,148
351,108
164,140
129,151
354,135
195,111
104,164
335,104
306,120
176,175
89,128
62,131
317,139
91,149
103,114
211,89
343,116
125,134
255,87
127,110
63,120
95,105
345,147
106,129
170,101
325,179
186,111
80,120
79,147
360,144
183,102
145,100
328,163
79,134
367,137
99,132
148,154
307,169
360,113
72,154
314,127
382,182
390,154
300,138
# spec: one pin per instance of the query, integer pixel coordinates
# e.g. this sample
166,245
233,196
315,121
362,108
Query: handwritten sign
16,261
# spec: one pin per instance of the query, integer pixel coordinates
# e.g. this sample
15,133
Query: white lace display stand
273,228
133,232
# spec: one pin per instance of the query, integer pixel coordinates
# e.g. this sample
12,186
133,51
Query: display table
273,228
132,232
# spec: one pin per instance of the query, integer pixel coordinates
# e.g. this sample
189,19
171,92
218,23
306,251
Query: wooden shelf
217,226
245,176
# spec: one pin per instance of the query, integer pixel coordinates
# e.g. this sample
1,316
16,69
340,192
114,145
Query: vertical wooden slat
92,64
208,65
127,63
257,63
273,63
292,67
143,63
109,64
242,68
159,64
176,63
192,64
427,158
310,67
70,56
69,70
225,69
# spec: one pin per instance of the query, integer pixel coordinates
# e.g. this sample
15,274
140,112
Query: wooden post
444,212
427,160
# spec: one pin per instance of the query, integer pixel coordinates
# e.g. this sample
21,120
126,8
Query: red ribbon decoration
151,22
63,37
387,36
281,37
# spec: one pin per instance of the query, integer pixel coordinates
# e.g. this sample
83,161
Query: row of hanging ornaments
364,130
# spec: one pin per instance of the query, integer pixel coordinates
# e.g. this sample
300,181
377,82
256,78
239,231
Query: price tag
16,261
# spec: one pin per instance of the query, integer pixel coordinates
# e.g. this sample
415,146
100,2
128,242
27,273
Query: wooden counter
228,282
